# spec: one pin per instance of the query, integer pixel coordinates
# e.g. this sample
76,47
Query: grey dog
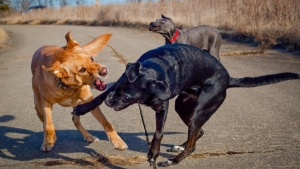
203,37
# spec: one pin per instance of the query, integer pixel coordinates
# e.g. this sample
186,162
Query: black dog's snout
103,72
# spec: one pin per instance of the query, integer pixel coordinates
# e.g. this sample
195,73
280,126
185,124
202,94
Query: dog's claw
167,163
91,139
177,149
46,148
152,163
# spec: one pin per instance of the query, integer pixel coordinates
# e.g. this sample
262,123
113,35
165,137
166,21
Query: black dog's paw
82,109
167,162
152,162
176,149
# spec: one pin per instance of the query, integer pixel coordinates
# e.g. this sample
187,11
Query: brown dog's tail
262,80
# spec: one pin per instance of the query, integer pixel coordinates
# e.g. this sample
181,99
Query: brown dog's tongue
100,85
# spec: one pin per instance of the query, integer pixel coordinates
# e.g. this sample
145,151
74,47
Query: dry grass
96,161
3,37
267,22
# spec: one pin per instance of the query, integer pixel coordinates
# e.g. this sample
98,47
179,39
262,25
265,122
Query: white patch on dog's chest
66,103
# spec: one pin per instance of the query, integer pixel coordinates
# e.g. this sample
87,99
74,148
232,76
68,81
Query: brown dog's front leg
49,130
161,116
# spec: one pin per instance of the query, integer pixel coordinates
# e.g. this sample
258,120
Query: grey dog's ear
133,71
159,88
164,17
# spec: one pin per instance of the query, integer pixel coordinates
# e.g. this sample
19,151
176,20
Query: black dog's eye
162,21
92,58
125,97
82,70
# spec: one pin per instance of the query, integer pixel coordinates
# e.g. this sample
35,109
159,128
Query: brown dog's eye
92,58
82,70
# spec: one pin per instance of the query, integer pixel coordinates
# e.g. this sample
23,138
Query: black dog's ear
132,71
164,17
159,88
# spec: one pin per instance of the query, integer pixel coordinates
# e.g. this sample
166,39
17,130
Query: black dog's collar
174,38
61,84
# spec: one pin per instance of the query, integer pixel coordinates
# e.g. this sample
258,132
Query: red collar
174,38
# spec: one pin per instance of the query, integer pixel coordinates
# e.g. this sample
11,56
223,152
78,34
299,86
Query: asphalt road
254,128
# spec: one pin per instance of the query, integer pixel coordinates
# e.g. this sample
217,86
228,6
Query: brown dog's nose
103,72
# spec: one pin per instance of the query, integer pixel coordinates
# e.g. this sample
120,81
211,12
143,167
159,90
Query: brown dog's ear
97,44
159,88
133,71
56,71
70,42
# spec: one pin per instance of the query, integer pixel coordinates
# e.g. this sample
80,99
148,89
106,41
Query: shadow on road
23,145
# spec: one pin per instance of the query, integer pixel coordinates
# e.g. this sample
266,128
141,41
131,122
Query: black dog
165,72
204,37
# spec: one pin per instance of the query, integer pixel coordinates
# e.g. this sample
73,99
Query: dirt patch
121,57
203,155
96,161
112,161
243,53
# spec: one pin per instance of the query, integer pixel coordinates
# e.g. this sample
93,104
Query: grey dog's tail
262,80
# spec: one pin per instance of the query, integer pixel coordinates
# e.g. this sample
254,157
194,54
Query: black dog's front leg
161,116
87,107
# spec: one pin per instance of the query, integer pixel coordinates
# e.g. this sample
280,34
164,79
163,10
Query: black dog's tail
262,80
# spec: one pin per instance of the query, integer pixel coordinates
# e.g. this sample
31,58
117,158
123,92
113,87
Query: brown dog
64,75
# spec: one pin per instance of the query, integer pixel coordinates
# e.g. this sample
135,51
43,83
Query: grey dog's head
164,25
137,85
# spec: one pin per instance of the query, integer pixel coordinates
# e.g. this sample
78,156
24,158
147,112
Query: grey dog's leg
214,45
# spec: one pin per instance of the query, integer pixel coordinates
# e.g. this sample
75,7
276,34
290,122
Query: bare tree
39,2
63,3
21,5
25,4
80,2
97,2
135,1
51,3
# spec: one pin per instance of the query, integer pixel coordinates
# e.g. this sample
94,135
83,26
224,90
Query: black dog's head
141,83
163,25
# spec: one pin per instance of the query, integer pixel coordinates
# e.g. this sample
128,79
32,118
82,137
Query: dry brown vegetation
266,22
3,37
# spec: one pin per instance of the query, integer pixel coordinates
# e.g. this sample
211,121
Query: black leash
146,133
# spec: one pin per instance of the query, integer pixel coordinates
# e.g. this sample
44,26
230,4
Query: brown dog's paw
118,143
91,139
115,139
46,147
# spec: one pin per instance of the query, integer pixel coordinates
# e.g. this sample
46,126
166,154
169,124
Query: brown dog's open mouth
100,85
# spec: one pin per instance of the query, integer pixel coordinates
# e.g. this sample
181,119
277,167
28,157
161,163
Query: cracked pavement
254,128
